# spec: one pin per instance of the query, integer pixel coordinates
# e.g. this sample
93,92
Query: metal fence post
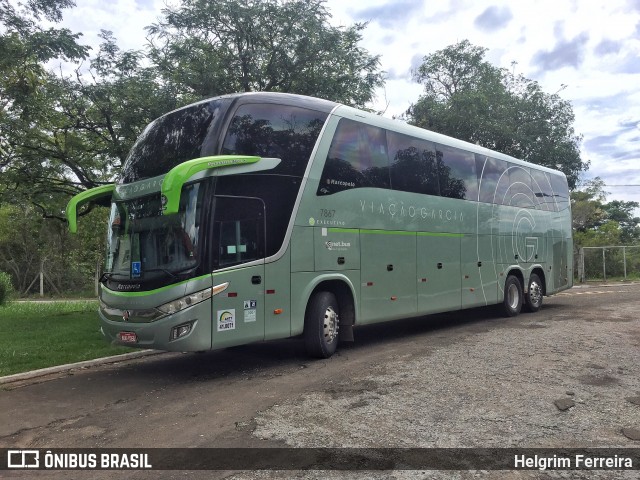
604,265
624,261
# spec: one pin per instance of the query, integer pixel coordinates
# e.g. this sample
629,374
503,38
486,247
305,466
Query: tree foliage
209,48
597,222
72,131
69,128
468,98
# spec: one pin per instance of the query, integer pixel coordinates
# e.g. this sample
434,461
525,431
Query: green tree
623,213
25,99
209,48
597,222
587,205
468,98
78,128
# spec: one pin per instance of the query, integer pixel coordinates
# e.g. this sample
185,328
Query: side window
542,190
493,179
489,172
357,158
413,164
238,231
270,130
520,192
560,192
457,173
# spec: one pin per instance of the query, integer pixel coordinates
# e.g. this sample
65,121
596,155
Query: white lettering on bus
393,209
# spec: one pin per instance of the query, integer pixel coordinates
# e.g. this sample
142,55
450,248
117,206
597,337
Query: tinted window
357,158
520,192
457,173
413,164
238,231
280,131
542,190
279,194
560,191
170,140
492,179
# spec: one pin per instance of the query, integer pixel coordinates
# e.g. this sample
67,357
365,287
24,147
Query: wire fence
608,263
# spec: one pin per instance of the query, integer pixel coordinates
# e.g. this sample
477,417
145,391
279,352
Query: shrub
6,288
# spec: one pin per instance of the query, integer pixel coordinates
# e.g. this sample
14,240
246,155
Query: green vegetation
468,98
6,288
36,335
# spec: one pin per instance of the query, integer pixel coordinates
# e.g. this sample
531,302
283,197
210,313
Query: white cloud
602,72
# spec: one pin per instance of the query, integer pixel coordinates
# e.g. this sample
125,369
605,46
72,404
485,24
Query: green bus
260,216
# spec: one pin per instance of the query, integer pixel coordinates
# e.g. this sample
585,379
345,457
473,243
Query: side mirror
80,199
180,174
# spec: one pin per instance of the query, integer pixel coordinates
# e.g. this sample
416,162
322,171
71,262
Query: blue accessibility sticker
136,269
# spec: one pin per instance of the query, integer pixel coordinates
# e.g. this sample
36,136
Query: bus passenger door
239,245
438,273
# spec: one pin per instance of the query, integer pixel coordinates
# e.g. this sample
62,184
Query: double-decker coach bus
259,216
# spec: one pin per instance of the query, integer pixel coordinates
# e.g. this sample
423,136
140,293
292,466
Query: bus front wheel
321,325
512,303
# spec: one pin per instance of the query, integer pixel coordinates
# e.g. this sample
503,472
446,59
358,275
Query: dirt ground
567,376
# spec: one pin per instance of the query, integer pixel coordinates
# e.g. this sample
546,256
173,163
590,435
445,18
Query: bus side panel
277,288
302,256
479,283
438,276
560,266
336,249
389,276
304,283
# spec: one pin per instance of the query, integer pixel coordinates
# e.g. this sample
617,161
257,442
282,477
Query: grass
36,335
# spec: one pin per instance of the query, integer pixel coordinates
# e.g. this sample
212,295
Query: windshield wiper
173,274
168,272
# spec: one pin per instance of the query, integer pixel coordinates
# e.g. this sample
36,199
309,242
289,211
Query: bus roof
341,110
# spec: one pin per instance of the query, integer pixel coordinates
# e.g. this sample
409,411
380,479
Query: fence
608,263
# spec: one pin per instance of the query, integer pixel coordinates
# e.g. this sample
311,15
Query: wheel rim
330,325
535,293
513,296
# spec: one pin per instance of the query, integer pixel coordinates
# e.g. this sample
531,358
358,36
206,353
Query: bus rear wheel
533,297
512,303
321,324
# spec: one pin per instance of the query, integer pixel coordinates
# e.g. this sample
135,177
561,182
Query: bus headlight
190,300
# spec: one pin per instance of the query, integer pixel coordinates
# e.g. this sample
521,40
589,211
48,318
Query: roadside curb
18,377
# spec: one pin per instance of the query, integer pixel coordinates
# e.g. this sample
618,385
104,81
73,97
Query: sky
588,51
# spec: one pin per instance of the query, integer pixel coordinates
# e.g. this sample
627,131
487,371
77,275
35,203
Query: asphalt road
567,376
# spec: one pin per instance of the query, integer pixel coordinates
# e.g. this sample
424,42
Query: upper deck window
457,172
170,140
357,158
413,164
560,191
278,131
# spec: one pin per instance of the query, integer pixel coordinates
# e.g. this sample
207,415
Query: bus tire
321,325
512,303
533,297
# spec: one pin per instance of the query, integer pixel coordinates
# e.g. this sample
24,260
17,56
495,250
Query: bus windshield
142,244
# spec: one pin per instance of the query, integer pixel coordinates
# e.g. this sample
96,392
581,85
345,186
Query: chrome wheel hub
535,293
330,325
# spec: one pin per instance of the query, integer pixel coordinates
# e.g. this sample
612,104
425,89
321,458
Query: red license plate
128,337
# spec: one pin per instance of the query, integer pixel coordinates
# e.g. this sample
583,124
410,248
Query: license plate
128,337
